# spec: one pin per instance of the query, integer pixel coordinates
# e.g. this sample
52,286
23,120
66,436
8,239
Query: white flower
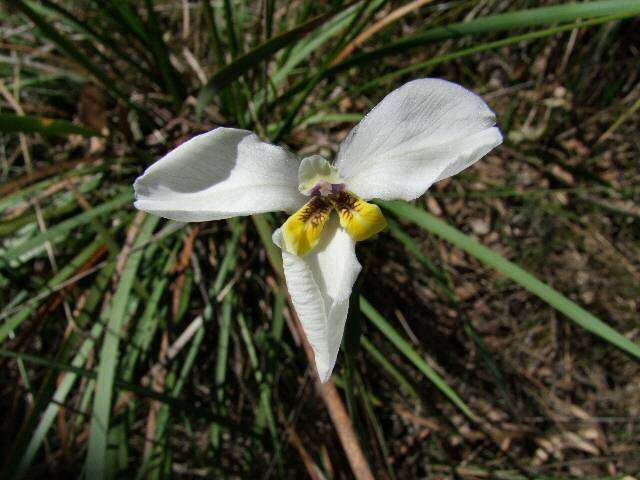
424,131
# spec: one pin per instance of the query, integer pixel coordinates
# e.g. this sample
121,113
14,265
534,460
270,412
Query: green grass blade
226,75
224,335
265,411
391,369
408,351
108,360
505,21
432,62
539,34
70,49
48,402
64,387
270,10
265,231
146,327
332,118
182,405
300,52
554,298
125,15
96,37
375,424
66,226
214,32
51,213
14,321
11,123
445,284
171,79
62,206
277,324
231,28
230,258
314,80
350,347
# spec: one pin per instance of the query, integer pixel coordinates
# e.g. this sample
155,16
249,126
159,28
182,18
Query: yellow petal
361,219
301,232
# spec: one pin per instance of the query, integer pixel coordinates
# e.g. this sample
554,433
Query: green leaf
498,23
332,117
310,83
350,347
408,351
171,78
124,13
222,360
211,22
447,57
299,53
182,405
95,37
365,58
66,226
12,123
391,369
39,434
265,230
71,267
231,28
246,62
108,359
70,49
554,298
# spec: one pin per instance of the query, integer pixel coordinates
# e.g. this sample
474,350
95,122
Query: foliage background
138,347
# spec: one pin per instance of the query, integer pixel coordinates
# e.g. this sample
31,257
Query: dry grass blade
42,173
393,16
623,118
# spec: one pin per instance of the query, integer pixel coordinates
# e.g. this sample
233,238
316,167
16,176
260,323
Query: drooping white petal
320,285
425,131
220,174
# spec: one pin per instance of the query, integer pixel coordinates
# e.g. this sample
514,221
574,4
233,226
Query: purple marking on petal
324,188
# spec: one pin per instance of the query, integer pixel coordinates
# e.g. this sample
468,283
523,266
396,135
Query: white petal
220,174
320,285
424,131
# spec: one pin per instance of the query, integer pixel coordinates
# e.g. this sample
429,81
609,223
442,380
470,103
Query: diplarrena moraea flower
425,131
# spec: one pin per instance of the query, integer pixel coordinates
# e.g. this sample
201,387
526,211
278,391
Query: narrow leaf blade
554,298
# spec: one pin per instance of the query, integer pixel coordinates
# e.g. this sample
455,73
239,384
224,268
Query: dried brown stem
379,25
339,416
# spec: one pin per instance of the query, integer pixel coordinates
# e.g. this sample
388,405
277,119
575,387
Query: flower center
316,176
324,188
321,181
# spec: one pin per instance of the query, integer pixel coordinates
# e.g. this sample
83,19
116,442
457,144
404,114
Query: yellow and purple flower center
325,188
319,180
